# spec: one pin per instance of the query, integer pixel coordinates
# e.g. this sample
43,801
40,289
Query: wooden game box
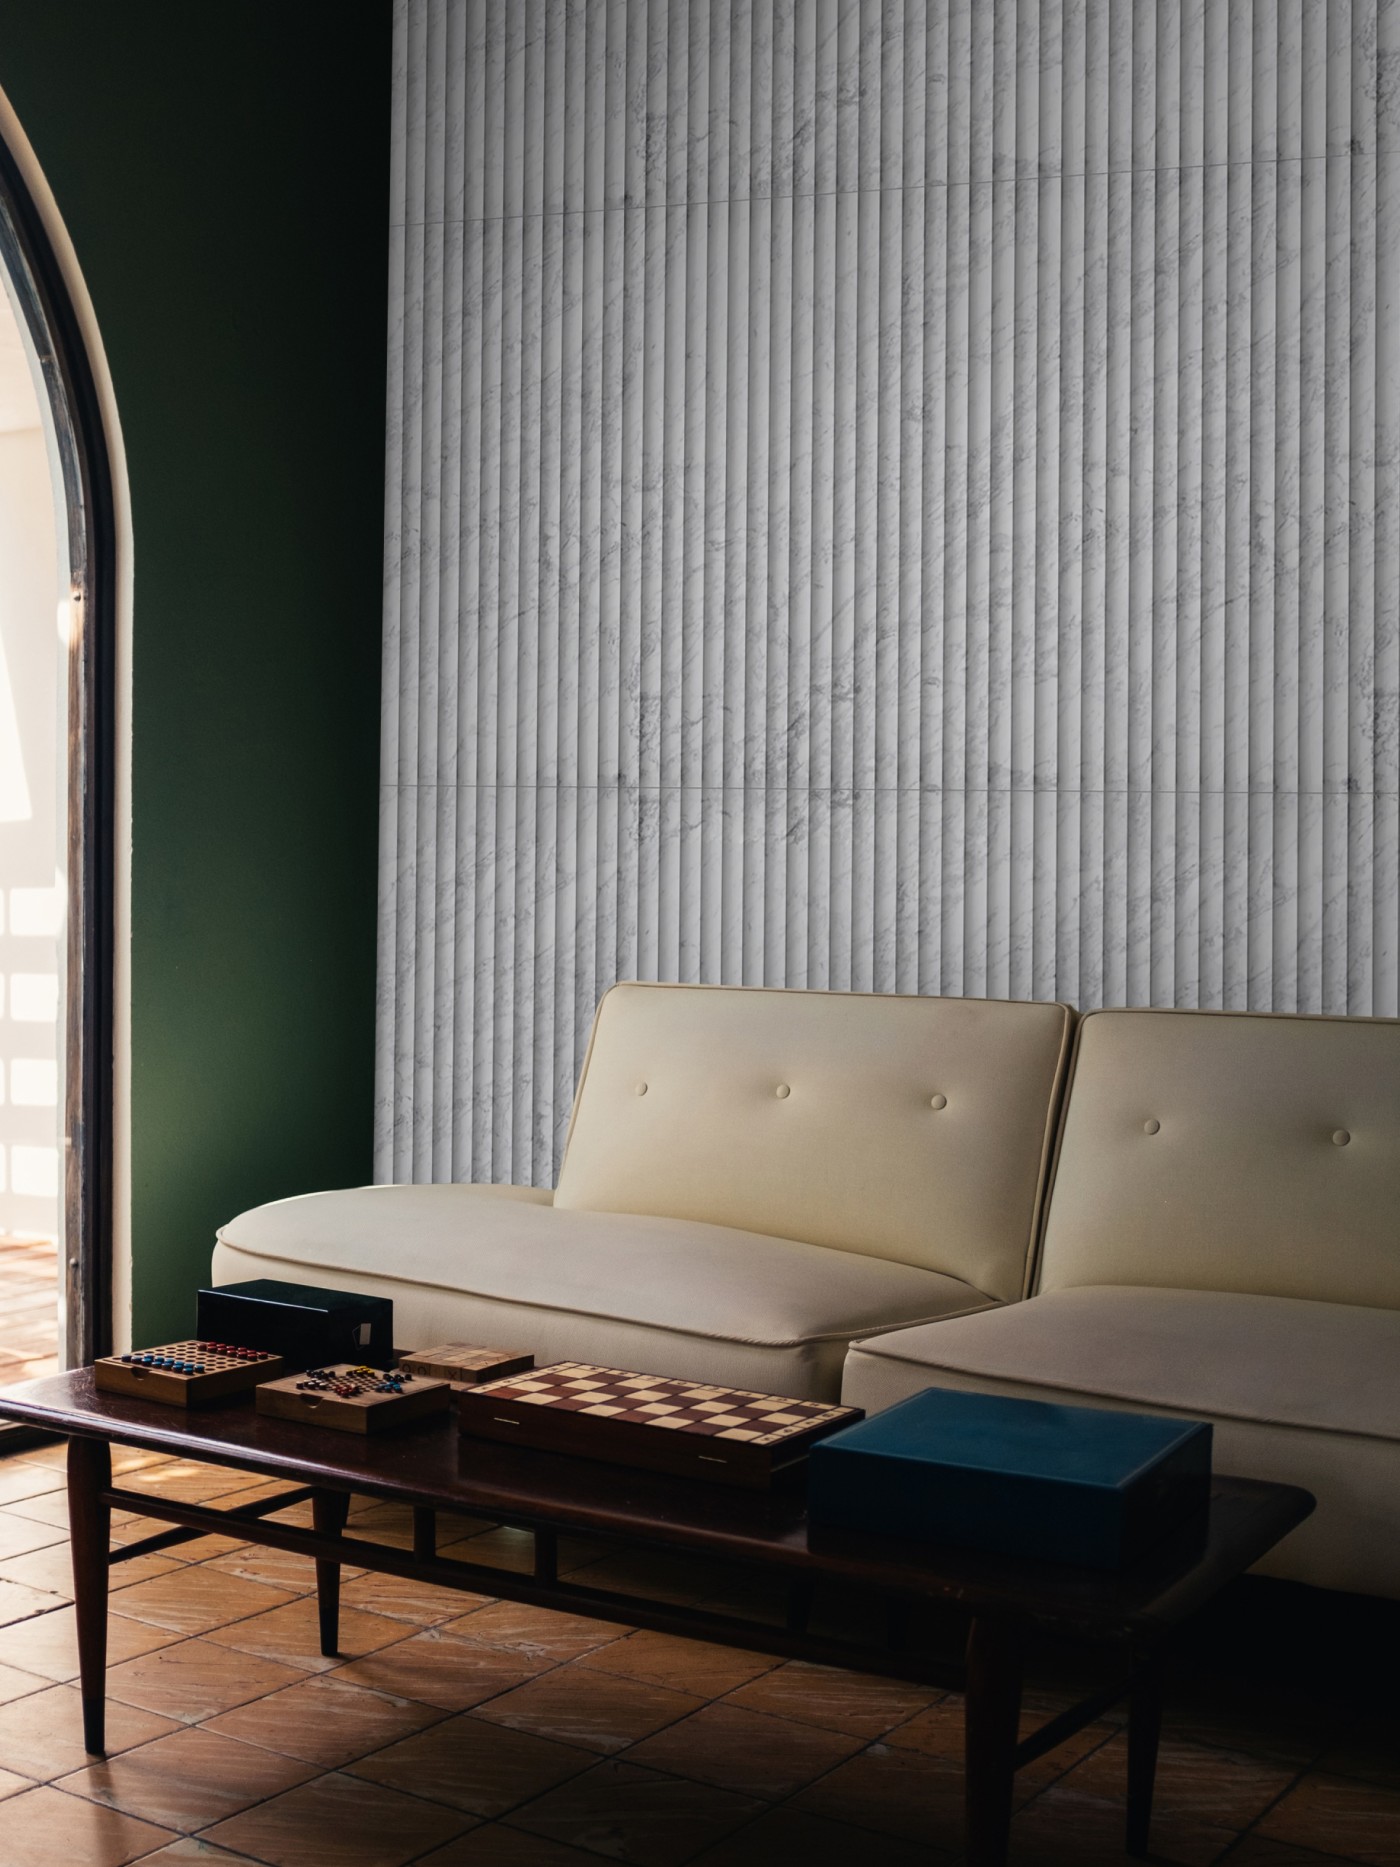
361,1412
464,1365
726,1435
203,1372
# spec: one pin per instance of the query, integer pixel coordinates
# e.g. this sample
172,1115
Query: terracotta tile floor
28,1307
457,1731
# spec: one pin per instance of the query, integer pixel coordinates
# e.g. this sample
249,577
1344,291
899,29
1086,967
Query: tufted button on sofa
1221,1240
751,1179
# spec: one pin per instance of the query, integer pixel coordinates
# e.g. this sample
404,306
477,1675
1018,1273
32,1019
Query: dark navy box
1018,1477
307,1326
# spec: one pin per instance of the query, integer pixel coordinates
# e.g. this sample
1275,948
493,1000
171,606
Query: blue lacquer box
1019,1477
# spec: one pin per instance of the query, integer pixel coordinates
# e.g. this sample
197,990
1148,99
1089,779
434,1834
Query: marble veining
901,494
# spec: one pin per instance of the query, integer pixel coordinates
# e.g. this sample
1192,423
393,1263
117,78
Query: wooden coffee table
993,1602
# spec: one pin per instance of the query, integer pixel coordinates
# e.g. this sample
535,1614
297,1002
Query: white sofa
813,1192
1221,1240
752,1178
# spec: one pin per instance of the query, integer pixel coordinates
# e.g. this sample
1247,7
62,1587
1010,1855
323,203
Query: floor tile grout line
865,1744
1298,1773
180,1833
1238,1841
172,1835
1069,1769
181,1639
767,1804
318,1771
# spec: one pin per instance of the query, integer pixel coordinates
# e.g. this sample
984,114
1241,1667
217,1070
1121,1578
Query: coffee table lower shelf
997,1604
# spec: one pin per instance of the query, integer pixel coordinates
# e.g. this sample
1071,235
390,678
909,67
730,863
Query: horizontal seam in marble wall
846,194
764,788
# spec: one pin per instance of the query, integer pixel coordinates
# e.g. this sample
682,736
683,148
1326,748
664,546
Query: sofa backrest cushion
1237,1151
916,1129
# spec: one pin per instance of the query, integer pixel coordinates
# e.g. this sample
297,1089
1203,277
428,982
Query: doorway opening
33,780
57,775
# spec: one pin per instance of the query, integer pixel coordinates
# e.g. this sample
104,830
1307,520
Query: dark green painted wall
223,168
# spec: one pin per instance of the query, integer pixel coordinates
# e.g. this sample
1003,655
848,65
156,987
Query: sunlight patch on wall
34,1172
15,806
34,1082
37,912
34,997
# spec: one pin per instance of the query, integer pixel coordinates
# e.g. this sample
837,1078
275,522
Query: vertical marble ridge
880,494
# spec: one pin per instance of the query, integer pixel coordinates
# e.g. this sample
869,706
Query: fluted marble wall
897,494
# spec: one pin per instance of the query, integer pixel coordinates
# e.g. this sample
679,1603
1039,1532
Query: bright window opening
33,828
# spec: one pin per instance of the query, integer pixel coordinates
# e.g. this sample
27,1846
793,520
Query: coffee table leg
90,1524
1144,1730
329,1509
424,1532
990,1736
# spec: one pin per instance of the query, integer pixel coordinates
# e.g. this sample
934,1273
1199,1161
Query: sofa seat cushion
668,1296
1298,1391
1280,1360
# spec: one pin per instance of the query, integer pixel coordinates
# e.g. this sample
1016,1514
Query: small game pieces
353,1397
464,1365
186,1374
725,1434
352,1382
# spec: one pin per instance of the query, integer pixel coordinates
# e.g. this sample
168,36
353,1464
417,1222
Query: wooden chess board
186,1374
465,1365
725,1434
351,1398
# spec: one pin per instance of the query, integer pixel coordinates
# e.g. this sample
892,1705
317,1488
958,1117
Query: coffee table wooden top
430,1464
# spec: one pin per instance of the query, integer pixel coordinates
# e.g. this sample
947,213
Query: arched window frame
54,328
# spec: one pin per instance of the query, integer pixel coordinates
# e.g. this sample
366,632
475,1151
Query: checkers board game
186,1374
463,1364
724,1434
352,1398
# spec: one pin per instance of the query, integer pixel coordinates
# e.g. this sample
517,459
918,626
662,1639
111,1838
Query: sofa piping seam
1055,1119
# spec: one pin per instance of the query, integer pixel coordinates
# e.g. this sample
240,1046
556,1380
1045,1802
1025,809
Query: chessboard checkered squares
662,1401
